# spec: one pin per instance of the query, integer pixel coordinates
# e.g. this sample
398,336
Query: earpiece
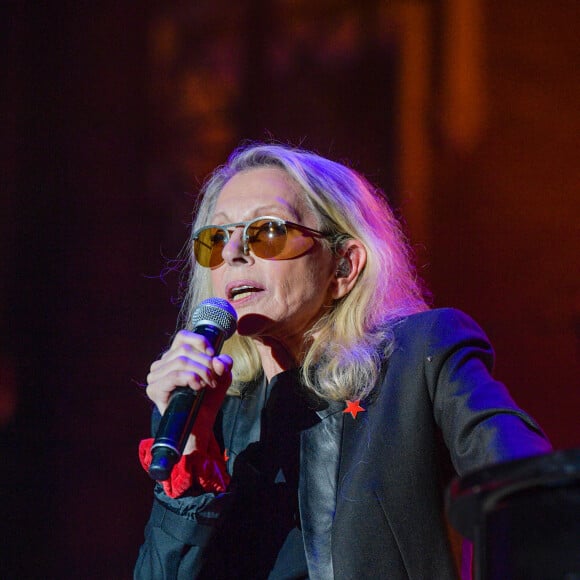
342,268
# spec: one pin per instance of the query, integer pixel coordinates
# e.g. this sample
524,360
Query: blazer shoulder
439,324
433,316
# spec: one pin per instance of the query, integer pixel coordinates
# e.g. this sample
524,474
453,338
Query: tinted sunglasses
267,237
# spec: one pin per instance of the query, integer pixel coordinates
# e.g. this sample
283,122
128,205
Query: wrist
204,471
195,443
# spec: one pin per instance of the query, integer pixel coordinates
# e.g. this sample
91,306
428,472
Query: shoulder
437,321
439,328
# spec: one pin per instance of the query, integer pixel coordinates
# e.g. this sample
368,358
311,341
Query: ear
350,262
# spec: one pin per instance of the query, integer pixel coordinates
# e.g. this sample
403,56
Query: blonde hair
347,346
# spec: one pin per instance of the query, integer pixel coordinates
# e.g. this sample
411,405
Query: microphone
216,320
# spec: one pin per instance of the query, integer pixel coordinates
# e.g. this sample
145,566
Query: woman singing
337,413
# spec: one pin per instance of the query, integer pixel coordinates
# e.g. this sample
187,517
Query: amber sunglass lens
208,247
267,238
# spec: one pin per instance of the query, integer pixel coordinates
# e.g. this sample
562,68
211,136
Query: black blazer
371,498
436,404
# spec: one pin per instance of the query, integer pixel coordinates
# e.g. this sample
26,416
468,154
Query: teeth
240,296
242,291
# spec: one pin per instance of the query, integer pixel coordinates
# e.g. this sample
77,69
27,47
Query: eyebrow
262,210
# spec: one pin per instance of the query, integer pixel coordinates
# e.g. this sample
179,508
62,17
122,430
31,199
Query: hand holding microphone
188,385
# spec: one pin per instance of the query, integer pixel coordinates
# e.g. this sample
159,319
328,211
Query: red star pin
353,407
226,456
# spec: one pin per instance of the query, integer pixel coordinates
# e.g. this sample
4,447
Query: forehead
259,189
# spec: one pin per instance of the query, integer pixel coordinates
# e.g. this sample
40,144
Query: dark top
369,489
261,436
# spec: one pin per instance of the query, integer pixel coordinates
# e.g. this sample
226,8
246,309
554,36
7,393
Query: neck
276,357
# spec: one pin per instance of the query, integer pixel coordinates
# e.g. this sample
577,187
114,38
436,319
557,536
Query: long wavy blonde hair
347,346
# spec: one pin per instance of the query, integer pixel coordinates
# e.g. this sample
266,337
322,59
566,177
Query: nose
233,251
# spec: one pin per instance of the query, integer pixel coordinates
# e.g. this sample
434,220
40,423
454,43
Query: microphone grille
217,312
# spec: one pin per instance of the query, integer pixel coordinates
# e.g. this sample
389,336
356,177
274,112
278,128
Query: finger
183,371
179,357
222,364
160,391
198,341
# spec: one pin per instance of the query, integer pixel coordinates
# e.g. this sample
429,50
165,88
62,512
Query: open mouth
239,292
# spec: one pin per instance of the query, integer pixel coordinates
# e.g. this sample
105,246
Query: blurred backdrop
464,111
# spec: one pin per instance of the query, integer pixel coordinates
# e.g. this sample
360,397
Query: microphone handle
174,430
179,417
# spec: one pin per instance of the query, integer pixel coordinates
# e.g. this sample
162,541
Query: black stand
523,517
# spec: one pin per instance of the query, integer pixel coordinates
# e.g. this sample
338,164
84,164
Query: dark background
113,113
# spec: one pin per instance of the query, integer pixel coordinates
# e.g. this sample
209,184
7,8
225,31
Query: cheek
305,283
